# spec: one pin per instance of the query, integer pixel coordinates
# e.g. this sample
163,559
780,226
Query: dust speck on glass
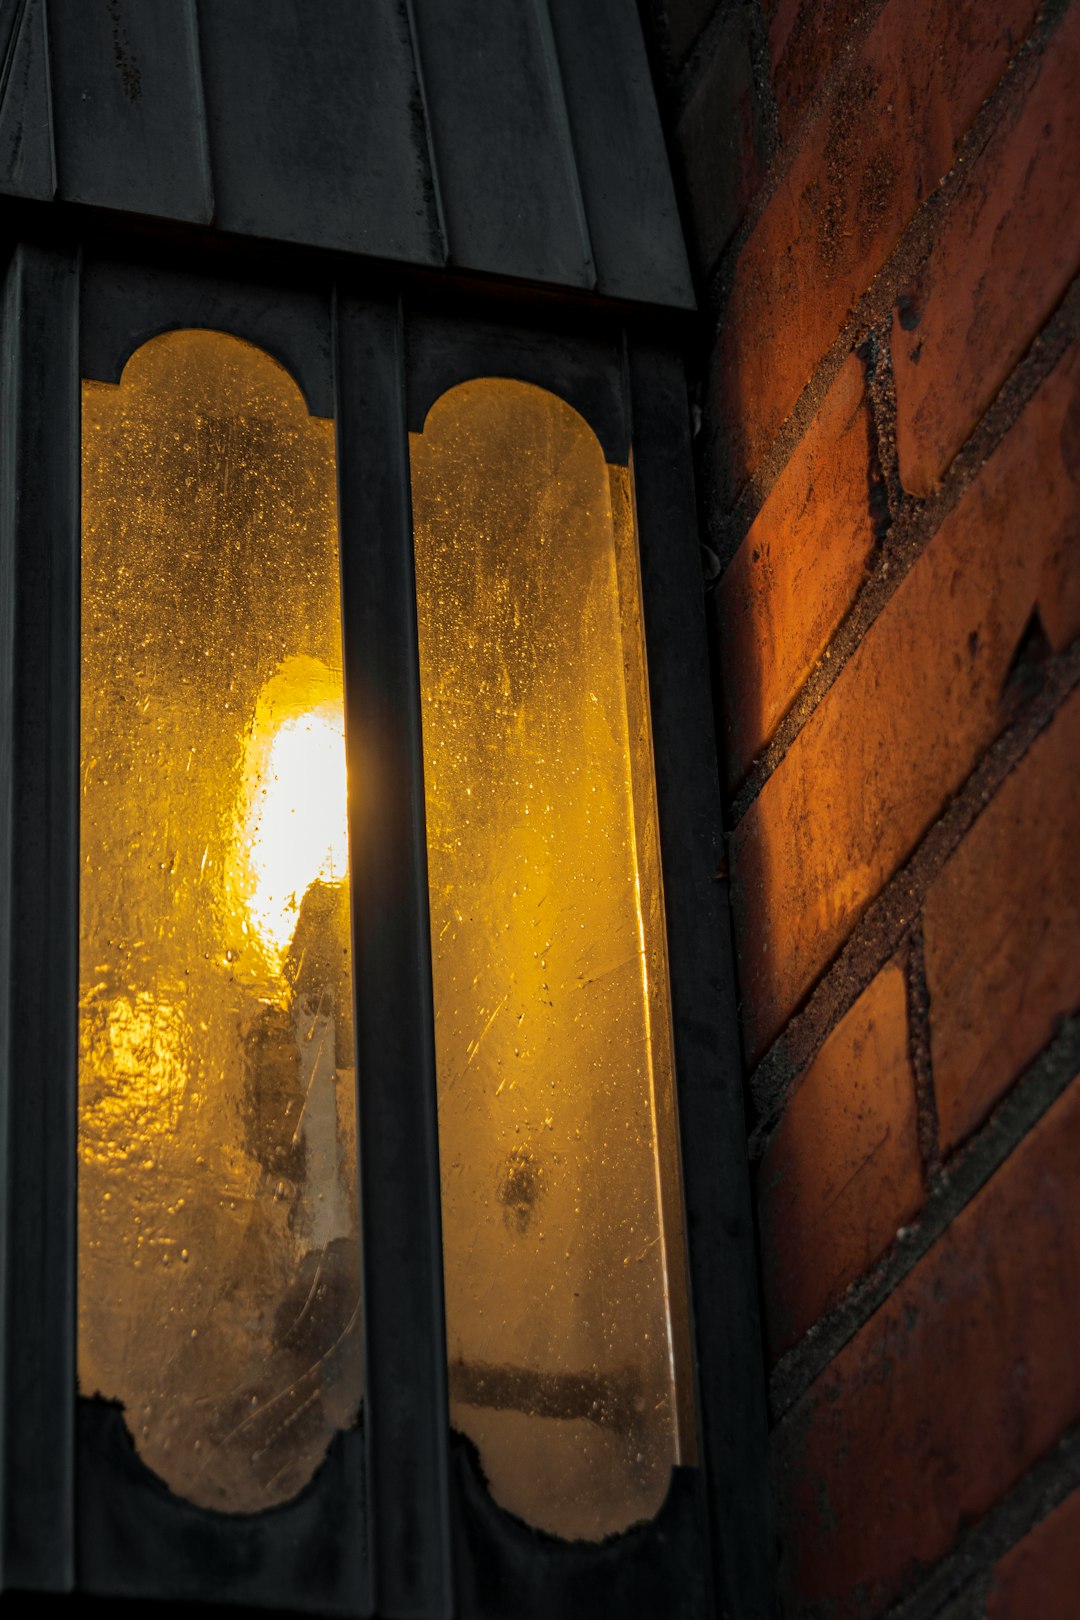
562,1231
219,1291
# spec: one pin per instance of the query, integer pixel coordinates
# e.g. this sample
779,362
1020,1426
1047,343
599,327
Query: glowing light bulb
297,825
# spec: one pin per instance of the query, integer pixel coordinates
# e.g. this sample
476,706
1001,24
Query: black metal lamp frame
397,1523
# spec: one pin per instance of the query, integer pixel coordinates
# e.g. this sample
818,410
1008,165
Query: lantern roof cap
513,138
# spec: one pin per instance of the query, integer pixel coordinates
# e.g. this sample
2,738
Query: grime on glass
219,1264
219,1279
562,1229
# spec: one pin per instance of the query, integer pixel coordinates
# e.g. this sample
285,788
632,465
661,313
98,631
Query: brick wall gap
729,527
732,518
970,1605
1007,96
875,350
912,526
957,1588
726,533
918,1007
952,1189
885,926
782,154
873,315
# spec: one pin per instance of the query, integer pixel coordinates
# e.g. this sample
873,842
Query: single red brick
796,573
1002,926
947,1395
906,720
888,134
842,1171
1004,257
1039,1579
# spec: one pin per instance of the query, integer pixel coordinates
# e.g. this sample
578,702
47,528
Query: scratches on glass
563,1261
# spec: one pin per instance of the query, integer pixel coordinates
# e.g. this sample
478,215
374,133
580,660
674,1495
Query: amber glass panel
563,1253
218,1253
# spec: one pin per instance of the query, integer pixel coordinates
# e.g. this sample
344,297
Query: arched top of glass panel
583,369
254,377
520,400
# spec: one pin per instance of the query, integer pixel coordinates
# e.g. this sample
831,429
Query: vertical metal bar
731,1394
406,1415
39,738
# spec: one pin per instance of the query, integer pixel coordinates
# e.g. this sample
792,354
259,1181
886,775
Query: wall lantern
376,1234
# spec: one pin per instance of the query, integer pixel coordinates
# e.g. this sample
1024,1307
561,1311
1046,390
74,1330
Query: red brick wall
883,202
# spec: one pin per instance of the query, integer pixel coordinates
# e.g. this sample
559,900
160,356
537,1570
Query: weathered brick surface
948,1393
1002,929
888,135
1004,257
796,573
842,1171
719,144
907,719
1039,1579
807,39
968,1373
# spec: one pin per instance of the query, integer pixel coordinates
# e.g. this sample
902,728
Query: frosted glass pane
219,1295
563,1257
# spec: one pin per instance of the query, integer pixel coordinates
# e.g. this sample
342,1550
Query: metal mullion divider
405,1401
716,1185
39,736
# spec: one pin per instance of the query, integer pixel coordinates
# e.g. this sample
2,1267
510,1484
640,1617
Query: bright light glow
218,1254
297,826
